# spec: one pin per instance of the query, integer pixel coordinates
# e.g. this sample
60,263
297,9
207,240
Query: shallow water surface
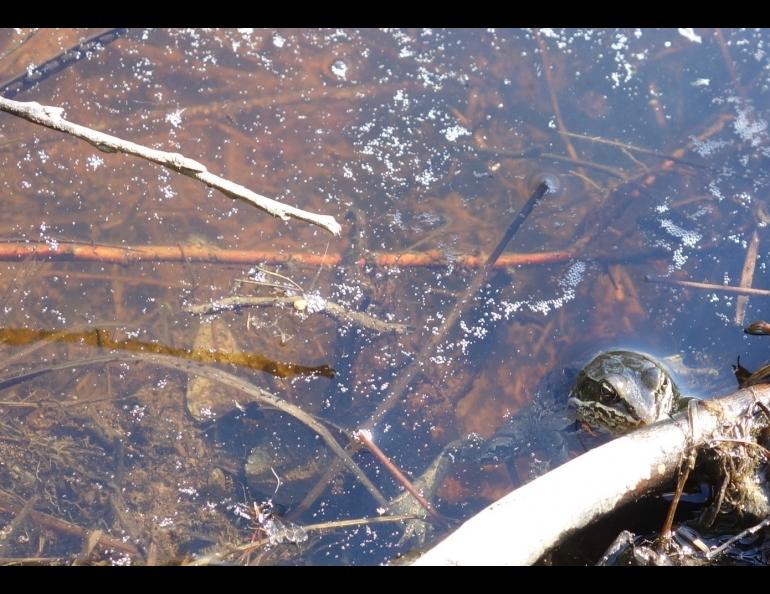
423,144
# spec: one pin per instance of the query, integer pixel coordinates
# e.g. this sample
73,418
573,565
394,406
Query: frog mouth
601,416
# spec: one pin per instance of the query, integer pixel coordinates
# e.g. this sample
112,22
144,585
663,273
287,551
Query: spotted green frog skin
621,390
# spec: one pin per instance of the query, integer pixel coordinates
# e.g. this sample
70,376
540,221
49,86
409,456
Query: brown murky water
423,144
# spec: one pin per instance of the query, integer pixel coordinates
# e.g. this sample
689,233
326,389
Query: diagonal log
522,526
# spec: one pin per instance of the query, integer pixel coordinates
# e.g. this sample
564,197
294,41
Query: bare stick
51,117
713,554
708,286
365,437
125,255
747,277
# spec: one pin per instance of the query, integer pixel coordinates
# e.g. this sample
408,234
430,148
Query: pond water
423,144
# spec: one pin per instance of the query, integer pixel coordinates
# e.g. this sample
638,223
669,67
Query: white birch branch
51,117
519,528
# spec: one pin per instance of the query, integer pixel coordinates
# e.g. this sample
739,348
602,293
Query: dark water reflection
415,140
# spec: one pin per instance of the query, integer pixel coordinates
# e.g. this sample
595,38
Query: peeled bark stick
51,117
522,526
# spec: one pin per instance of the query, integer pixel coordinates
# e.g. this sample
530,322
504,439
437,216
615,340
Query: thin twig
537,154
747,277
636,149
684,473
126,255
320,527
65,58
708,286
51,117
365,437
728,543
552,93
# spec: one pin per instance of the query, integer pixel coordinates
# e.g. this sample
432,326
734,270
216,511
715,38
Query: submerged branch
330,308
708,286
126,255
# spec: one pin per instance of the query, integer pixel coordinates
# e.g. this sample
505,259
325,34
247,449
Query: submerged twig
538,154
65,58
322,306
365,437
97,337
747,277
708,286
10,503
51,117
552,93
248,547
636,149
714,553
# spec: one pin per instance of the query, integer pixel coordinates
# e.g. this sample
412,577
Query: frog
621,390
616,392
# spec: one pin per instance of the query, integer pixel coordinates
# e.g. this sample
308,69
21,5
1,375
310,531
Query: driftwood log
522,526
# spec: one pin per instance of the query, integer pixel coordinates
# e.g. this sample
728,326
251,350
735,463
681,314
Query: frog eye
608,392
